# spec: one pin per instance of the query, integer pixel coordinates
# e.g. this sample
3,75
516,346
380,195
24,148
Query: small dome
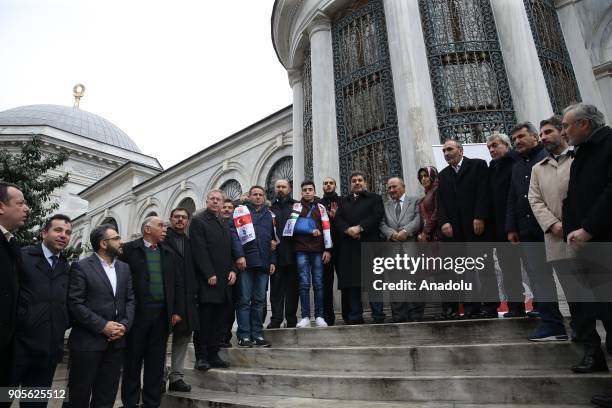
71,120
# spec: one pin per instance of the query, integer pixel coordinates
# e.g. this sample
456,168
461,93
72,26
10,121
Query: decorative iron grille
467,71
552,53
282,169
307,115
368,138
188,204
232,189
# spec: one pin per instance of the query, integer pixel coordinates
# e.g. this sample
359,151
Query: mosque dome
71,120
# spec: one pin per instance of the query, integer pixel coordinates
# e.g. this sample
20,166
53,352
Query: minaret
78,91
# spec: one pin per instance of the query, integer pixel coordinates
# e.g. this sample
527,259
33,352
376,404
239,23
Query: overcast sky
176,76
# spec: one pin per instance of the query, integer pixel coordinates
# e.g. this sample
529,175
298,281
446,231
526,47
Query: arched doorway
282,169
188,204
111,221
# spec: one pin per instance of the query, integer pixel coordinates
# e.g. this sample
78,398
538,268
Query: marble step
516,386
495,358
201,398
395,334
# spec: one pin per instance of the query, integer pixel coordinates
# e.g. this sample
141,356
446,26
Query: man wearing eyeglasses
159,307
178,240
101,303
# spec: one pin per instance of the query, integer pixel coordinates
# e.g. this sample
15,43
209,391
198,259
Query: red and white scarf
244,224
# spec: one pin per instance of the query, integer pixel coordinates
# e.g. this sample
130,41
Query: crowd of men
195,275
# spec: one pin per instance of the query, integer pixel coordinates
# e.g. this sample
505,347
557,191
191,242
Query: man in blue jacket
252,231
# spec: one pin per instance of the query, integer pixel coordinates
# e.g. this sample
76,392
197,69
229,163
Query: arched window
188,204
282,169
552,53
111,221
232,189
368,135
151,214
467,71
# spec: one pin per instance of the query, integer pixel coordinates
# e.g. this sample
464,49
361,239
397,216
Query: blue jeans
310,263
252,285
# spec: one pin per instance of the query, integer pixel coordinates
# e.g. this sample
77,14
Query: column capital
320,22
603,70
295,76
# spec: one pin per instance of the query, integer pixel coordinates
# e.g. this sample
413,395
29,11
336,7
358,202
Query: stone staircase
467,363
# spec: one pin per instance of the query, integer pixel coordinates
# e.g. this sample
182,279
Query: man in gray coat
401,223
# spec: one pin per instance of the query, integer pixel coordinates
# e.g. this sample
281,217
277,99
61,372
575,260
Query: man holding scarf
252,232
310,228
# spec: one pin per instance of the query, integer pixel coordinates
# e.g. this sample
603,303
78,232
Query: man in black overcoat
177,239
160,302
463,211
13,214
587,217
42,309
212,255
357,220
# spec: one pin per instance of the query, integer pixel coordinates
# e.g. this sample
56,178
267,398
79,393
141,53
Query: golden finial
78,91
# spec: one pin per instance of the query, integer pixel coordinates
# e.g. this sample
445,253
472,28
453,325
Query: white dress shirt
6,233
110,272
48,254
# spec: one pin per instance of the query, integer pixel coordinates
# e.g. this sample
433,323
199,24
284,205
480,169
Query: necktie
398,209
153,247
54,260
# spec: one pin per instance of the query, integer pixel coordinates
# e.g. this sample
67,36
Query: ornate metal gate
365,103
307,115
552,52
232,189
282,169
468,76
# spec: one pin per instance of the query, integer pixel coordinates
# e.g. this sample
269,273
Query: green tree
29,169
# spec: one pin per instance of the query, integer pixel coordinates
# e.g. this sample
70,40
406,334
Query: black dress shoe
180,386
534,314
604,401
592,362
353,322
515,313
379,321
216,362
273,325
202,365
488,315
225,344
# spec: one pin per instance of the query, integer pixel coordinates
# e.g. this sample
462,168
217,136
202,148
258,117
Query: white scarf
244,224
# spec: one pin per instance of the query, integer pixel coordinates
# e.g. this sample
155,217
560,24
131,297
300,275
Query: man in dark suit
357,220
101,304
178,240
227,211
284,282
587,217
212,255
463,212
160,301
13,214
42,310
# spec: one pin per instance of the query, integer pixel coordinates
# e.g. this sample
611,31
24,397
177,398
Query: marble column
569,18
324,131
603,74
295,80
525,77
416,111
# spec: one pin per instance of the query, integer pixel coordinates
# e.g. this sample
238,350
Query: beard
114,252
552,146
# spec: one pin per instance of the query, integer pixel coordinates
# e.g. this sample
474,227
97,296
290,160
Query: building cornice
603,71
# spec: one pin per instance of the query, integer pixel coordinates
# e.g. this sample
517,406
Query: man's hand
316,233
332,210
111,328
272,269
241,263
231,278
326,257
354,232
579,236
119,333
176,319
422,237
557,229
479,226
212,281
513,237
274,244
447,230
402,235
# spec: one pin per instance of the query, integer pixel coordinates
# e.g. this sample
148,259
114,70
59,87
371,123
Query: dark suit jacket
212,255
42,309
10,265
92,304
463,197
500,173
134,255
588,203
367,211
190,320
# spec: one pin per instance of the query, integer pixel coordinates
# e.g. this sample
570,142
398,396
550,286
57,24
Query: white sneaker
320,322
305,322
